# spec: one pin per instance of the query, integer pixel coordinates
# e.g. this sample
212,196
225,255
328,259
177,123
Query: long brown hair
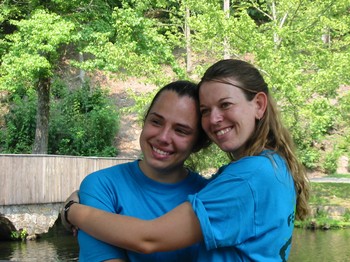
270,133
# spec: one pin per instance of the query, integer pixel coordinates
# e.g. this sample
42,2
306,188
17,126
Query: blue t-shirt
247,211
124,189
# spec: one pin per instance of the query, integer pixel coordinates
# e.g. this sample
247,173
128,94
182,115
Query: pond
57,245
320,246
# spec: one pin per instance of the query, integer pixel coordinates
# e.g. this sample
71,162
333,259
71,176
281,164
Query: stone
6,228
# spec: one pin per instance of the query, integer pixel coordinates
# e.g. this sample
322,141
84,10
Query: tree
285,39
301,47
31,62
114,36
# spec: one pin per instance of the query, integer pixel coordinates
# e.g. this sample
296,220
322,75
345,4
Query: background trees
302,48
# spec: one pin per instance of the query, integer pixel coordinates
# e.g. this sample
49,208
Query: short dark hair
190,89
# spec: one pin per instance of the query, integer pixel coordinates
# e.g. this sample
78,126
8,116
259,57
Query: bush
331,162
83,122
18,134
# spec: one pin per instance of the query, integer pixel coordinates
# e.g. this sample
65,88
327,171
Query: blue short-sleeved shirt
124,189
247,211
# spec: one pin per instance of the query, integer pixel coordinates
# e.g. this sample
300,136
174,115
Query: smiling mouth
223,131
160,152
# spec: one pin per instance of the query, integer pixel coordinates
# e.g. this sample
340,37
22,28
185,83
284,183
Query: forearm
177,229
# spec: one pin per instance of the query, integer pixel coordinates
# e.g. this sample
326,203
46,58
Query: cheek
148,130
205,123
248,122
186,144
147,133
142,138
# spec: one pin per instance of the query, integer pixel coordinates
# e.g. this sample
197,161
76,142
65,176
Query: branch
260,10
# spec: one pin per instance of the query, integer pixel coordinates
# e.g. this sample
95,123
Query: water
320,246
57,245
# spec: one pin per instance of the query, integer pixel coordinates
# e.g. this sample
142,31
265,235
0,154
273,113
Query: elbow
146,247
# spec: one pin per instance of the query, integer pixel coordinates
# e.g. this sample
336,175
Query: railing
36,179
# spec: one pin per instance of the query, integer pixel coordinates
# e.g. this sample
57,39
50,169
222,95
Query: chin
228,148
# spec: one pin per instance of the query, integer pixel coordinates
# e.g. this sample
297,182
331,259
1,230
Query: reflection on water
320,246
58,245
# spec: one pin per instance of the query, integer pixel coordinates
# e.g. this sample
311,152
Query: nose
164,135
215,116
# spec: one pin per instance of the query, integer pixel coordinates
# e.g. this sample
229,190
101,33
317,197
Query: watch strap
66,209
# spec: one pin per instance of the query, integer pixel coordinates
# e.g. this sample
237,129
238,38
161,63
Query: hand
69,227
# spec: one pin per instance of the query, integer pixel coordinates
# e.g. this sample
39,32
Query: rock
6,228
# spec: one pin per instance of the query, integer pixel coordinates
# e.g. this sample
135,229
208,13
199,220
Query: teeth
223,131
161,152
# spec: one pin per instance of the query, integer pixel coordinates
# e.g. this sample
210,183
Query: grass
340,176
328,194
331,194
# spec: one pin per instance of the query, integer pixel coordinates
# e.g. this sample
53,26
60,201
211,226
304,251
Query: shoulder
109,173
246,167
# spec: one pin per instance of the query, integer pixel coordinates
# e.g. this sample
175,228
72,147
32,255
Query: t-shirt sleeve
95,192
225,209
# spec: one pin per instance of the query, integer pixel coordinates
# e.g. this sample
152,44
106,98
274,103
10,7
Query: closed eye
181,132
154,120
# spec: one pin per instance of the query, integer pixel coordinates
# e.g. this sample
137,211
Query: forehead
213,90
175,108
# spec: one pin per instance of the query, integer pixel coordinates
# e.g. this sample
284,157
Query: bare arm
177,229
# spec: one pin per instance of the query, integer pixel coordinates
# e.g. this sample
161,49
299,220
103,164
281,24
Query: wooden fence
37,179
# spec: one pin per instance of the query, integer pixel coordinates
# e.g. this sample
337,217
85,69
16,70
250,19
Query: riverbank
330,204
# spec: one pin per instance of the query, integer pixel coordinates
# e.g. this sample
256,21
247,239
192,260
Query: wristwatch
66,209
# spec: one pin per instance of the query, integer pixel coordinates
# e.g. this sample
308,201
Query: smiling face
227,116
169,134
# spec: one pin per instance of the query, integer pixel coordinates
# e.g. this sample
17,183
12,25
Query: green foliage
19,235
208,161
83,122
302,48
329,194
18,134
331,161
33,50
133,45
303,72
142,103
323,221
309,156
346,216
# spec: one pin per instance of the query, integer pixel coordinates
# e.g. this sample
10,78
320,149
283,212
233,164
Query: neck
170,176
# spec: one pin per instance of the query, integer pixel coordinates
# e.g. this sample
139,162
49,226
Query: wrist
67,208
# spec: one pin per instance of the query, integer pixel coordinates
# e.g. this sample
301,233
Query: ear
261,104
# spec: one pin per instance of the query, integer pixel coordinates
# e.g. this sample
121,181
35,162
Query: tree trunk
188,41
226,43
42,117
81,71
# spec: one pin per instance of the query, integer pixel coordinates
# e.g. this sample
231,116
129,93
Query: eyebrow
176,124
220,100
